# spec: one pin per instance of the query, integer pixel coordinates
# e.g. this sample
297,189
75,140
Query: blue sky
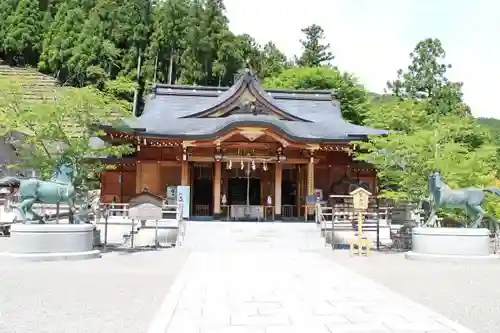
373,38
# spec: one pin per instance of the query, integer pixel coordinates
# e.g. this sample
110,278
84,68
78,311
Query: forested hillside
121,47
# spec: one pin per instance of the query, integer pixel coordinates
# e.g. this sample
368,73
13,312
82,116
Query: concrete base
489,259
451,245
343,237
54,256
40,242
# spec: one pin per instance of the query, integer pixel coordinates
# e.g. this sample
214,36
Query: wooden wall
157,168
118,184
333,167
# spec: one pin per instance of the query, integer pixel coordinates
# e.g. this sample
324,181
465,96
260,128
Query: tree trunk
170,68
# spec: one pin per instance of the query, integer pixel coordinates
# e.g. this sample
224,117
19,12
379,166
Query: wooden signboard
146,206
360,198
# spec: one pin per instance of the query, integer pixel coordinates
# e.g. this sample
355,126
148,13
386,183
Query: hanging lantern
242,165
253,165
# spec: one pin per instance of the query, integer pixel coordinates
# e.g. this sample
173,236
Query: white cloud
374,38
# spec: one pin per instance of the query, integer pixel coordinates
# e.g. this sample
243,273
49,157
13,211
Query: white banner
184,196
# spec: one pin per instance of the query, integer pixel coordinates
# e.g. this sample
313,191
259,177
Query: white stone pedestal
45,242
451,244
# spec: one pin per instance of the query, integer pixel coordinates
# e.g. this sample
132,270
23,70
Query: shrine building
241,150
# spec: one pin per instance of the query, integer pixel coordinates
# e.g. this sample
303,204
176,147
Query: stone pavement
271,278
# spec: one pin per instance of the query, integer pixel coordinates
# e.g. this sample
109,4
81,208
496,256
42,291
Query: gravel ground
468,294
117,293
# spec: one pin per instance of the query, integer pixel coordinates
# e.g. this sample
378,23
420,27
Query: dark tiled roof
174,111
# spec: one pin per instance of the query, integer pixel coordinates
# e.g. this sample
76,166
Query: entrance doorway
239,188
202,192
289,193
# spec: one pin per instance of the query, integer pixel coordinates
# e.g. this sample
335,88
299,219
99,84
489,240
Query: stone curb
163,316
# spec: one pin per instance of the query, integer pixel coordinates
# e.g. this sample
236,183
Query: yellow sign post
360,200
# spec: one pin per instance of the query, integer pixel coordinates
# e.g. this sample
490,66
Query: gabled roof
174,111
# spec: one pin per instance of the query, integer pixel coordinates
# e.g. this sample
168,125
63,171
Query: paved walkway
270,278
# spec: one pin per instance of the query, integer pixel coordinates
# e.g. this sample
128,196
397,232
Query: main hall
244,152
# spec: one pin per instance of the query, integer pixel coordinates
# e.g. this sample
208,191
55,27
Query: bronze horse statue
470,199
57,190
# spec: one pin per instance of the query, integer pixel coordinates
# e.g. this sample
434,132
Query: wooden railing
201,210
288,211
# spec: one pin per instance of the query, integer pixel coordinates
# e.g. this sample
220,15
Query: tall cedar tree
168,40
61,39
425,78
7,8
273,61
192,68
24,33
314,53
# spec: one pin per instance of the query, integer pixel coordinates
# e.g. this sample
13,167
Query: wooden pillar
185,173
310,177
310,181
216,189
138,177
278,172
298,196
185,166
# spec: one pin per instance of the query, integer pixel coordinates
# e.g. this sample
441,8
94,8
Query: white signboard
184,196
145,211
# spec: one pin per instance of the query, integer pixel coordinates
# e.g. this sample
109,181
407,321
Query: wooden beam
278,138
312,146
170,163
188,143
201,158
226,136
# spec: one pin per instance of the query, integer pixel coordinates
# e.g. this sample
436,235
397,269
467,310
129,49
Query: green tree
61,40
168,39
23,36
409,116
425,79
492,126
7,8
129,32
273,61
60,127
249,54
229,58
314,53
404,160
351,95
192,64
452,143
214,24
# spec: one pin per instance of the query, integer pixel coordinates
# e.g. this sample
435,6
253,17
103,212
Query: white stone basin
52,241
455,244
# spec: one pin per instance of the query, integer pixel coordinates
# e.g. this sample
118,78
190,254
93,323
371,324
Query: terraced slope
37,86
